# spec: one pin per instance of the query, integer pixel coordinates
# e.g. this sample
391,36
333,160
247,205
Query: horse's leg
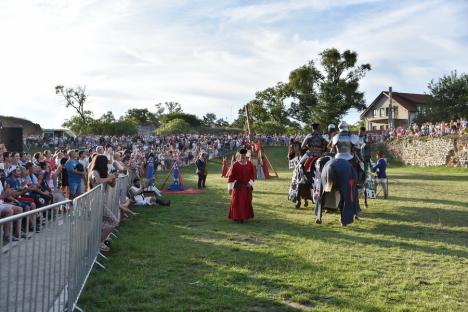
298,204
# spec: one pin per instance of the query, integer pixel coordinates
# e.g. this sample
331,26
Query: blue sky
212,56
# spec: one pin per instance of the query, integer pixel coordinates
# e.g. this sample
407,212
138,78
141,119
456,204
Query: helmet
331,127
343,126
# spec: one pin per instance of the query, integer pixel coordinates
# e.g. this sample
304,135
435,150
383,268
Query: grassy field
408,253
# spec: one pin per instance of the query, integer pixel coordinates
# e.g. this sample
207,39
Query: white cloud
211,56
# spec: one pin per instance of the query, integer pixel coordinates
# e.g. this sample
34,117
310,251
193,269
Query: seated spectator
138,197
7,210
17,194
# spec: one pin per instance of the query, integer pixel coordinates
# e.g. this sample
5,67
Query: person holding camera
240,187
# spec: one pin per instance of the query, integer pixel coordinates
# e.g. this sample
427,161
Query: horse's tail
328,176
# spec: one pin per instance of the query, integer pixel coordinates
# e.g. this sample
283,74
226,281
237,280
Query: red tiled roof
410,101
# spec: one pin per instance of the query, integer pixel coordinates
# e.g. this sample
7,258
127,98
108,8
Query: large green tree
449,98
209,120
141,115
192,120
325,95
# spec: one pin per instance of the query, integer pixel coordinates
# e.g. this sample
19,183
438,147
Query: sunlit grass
407,253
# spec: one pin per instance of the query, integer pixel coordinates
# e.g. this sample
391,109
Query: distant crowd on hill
427,129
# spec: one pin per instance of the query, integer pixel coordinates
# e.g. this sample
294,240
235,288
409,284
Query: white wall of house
381,109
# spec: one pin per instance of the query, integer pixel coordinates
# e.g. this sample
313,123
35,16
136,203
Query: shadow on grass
430,177
448,202
411,214
325,233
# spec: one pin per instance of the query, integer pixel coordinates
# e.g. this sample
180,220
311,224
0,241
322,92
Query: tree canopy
449,98
174,126
322,94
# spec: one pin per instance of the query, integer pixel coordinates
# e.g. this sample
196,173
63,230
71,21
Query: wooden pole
167,178
248,121
270,164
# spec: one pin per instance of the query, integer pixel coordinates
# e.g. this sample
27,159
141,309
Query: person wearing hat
240,187
202,169
381,169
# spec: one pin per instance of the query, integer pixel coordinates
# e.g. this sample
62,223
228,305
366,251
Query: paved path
43,259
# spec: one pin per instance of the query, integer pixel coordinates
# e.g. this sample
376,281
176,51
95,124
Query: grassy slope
408,253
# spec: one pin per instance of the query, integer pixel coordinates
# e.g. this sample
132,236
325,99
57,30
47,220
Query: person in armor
328,136
314,142
346,146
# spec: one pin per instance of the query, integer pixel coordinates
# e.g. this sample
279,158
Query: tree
221,123
172,107
449,98
174,126
339,88
268,127
272,101
209,120
192,120
77,125
159,109
303,84
315,95
239,122
74,97
325,96
141,115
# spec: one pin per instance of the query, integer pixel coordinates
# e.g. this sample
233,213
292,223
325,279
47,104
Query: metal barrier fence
50,251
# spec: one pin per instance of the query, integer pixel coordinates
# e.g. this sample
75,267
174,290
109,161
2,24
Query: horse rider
328,136
314,143
346,146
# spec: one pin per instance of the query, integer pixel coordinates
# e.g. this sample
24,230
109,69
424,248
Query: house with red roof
406,107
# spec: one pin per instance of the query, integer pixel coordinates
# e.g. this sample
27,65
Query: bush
174,126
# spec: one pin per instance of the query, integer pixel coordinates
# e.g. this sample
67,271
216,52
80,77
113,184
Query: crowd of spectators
427,129
29,181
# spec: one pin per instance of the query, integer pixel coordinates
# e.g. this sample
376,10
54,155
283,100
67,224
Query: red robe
224,170
241,199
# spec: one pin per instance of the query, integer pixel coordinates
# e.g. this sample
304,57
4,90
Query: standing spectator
74,175
381,169
202,169
98,174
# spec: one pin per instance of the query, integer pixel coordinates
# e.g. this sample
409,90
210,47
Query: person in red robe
224,169
240,186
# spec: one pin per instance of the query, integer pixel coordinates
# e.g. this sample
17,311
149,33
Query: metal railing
50,251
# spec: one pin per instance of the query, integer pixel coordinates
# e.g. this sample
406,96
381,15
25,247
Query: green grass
408,253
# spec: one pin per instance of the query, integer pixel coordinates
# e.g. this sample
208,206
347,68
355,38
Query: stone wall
427,151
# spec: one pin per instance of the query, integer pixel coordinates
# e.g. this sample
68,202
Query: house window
386,111
382,112
395,112
375,113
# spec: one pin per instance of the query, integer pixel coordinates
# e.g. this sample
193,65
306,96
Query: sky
212,55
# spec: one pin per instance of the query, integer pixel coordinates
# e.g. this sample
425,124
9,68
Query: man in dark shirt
381,169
